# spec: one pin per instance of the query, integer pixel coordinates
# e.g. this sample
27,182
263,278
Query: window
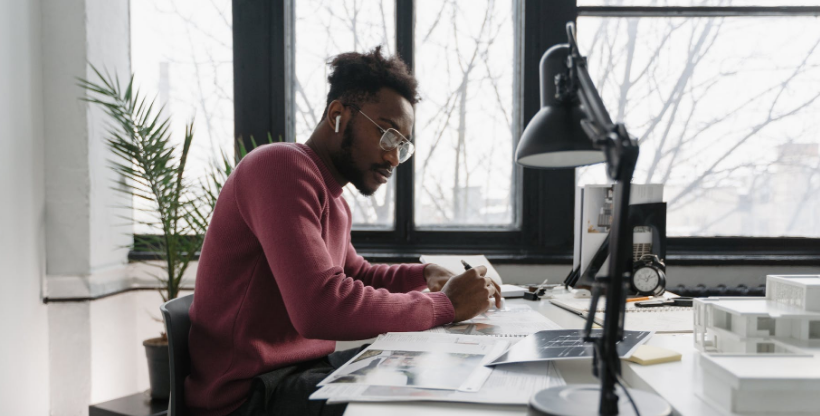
465,125
765,348
324,29
704,3
467,121
468,189
814,329
735,165
724,111
182,54
766,324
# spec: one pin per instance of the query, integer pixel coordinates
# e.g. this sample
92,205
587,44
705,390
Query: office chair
177,325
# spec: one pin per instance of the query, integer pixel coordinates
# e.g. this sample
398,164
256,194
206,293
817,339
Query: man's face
360,159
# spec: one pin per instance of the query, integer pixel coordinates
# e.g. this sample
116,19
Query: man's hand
436,276
472,293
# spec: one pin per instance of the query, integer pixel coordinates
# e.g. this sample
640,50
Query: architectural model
762,355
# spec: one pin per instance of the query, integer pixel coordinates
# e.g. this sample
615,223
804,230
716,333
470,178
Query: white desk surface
676,382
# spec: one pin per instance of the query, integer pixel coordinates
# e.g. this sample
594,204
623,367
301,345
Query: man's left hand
436,276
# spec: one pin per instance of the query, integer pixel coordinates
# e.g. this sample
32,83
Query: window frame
262,34
263,65
725,251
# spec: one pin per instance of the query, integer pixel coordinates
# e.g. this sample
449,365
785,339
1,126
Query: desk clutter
447,364
500,357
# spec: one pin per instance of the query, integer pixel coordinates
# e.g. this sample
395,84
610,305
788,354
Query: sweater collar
330,182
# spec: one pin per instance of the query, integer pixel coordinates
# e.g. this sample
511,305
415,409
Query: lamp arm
589,97
621,157
581,82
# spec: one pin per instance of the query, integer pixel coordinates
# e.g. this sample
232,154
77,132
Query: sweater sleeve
397,278
281,196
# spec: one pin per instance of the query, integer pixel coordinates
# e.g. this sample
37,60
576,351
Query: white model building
789,312
762,355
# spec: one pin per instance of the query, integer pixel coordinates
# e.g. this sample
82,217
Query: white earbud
337,123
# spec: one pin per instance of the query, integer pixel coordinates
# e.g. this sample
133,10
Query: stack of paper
512,384
418,359
435,367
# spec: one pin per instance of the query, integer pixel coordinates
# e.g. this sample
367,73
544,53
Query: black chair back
177,325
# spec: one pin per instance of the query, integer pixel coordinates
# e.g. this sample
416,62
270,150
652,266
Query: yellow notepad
648,355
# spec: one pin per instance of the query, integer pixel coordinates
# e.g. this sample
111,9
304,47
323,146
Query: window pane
465,123
686,3
182,54
324,29
726,112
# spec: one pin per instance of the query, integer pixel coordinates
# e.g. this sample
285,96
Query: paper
668,319
422,360
453,264
663,322
565,344
512,384
514,321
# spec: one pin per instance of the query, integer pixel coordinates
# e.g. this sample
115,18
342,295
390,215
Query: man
278,280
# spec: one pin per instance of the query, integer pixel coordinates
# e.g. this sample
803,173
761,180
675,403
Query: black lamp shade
554,138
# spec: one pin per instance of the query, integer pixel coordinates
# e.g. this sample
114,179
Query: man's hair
356,78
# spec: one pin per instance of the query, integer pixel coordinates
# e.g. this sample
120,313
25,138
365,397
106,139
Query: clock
648,276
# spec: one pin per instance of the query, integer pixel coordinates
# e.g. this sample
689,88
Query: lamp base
583,400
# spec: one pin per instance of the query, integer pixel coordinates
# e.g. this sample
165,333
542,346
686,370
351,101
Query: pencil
639,299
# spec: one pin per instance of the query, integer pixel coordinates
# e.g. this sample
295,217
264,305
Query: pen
466,265
639,299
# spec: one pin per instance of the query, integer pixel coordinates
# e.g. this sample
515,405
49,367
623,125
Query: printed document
565,344
512,384
422,360
512,321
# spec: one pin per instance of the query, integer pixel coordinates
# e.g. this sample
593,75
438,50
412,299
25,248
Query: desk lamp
572,129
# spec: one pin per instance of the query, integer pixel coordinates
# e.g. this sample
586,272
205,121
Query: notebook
668,319
453,264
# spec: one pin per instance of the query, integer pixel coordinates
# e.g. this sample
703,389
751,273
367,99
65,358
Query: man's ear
334,113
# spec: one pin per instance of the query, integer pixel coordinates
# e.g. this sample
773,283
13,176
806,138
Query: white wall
87,224
24,376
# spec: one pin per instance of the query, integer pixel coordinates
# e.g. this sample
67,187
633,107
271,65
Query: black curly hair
356,78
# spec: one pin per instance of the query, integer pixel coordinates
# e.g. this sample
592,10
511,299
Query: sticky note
648,355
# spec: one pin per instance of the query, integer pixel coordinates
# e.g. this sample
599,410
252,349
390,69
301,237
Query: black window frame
726,251
263,65
261,60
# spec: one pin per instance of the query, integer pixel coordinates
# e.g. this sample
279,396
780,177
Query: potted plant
153,170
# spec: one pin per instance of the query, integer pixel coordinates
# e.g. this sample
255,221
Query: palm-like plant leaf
154,171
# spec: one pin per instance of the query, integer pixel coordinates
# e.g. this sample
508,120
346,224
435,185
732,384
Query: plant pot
159,369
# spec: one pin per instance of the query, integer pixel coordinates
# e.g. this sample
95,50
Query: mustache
386,167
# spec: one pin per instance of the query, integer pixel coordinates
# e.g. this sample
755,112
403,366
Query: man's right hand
472,293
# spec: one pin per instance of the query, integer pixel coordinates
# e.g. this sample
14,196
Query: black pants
285,391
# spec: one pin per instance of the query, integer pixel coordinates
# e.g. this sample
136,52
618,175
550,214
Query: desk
676,382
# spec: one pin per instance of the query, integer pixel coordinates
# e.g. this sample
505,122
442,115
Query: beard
346,165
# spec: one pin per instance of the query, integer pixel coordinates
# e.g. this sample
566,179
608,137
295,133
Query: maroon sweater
278,280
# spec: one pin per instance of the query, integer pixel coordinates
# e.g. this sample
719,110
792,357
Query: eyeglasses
392,139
